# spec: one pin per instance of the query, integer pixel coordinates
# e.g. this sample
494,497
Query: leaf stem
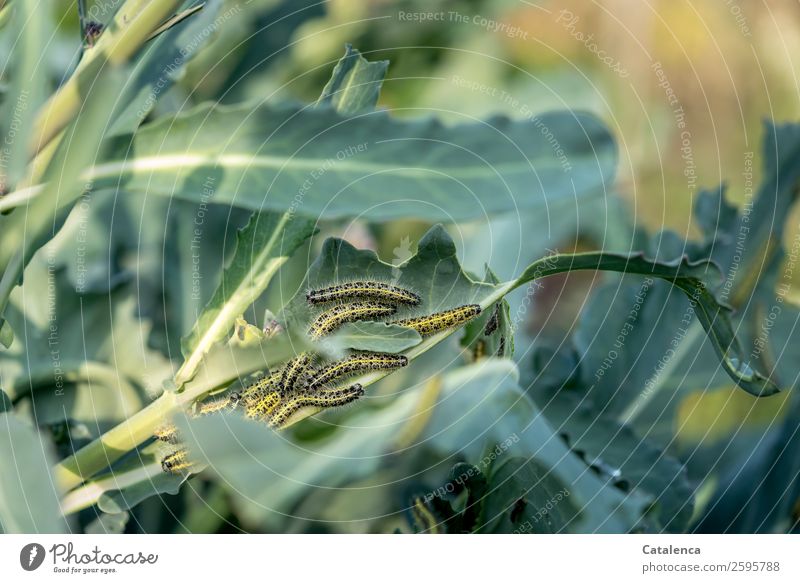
133,24
90,494
113,444
116,442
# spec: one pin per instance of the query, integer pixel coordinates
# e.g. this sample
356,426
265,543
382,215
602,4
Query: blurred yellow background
730,64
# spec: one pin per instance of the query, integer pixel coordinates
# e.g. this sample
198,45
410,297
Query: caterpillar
428,325
261,396
325,399
167,432
368,290
424,519
331,319
479,350
176,462
215,405
293,371
357,363
265,383
263,405
493,322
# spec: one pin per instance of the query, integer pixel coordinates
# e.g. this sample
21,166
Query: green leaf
694,279
762,224
269,238
5,18
627,335
29,72
28,496
630,462
523,497
376,336
128,491
5,402
224,364
270,472
6,334
632,335
435,274
162,62
23,232
355,84
128,483
263,246
760,494
483,404
317,161
91,339
493,333
108,523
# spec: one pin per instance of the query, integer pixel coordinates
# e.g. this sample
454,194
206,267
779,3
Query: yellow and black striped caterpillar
217,405
167,433
267,382
428,325
331,319
355,364
325,399
275,397
260,397
176,462
261,406
293,372
479,349
364,290
425,520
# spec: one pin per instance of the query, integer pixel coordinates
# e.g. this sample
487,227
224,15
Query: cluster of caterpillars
374,300
274,398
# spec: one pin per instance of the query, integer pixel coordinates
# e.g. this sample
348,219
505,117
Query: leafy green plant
96,368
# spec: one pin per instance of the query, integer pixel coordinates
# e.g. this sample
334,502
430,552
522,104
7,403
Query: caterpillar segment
332,318
216,405
176,462
167,433
265,383
479,349
363,290
293,374
355,364
429,325
263,405
325,399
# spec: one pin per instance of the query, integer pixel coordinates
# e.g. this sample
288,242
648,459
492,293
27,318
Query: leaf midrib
168,162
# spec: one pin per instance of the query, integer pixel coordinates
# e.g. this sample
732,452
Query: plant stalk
90,494
113,444
132,25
